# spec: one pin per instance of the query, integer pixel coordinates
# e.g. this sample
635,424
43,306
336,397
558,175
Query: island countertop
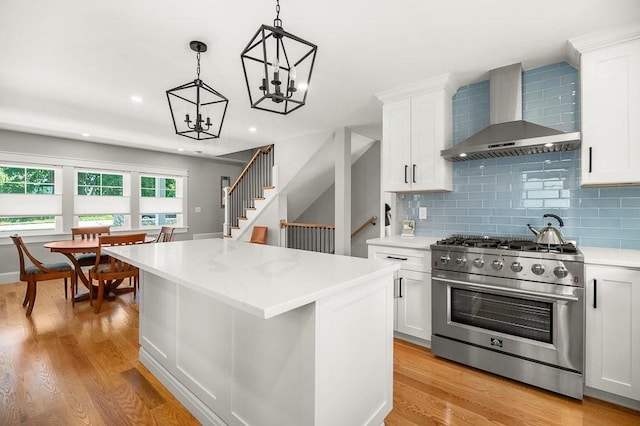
262,280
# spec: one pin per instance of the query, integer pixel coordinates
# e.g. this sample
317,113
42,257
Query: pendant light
196,108
277,68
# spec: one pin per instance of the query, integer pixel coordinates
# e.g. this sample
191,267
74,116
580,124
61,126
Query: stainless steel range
511,307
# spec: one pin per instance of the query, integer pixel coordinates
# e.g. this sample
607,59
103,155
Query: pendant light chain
277,22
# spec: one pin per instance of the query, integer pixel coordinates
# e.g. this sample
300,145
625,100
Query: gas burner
503,243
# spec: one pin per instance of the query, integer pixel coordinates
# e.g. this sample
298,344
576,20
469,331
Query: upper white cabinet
416,126
610,106
613,330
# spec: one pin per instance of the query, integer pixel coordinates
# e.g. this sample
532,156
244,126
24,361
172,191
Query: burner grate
507,244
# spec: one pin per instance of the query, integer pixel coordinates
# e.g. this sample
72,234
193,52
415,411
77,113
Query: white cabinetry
416,126
613,330
610,101
412,290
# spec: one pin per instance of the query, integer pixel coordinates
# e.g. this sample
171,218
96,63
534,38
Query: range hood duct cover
508,135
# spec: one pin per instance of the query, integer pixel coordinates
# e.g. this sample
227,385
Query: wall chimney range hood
508,135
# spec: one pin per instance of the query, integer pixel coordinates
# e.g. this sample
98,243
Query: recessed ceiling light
136,99
548,145
252,129
86,135
180,149
463,155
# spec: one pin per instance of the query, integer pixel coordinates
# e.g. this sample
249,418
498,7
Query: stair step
242,218
268,187
249,208
235,227
258,198
228,236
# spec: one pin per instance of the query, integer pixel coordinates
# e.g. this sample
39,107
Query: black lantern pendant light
277,68
197,109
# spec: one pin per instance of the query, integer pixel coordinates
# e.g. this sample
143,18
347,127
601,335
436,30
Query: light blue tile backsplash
500,196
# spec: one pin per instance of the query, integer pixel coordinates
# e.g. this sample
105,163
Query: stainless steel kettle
549,235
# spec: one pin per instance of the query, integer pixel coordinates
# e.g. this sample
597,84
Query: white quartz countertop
422,243
611,257
263,280
592,255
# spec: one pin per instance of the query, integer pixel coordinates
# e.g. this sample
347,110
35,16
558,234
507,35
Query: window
99,184
29,198
122,196
102,198
161,200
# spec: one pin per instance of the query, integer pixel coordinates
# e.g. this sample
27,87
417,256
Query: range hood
508,135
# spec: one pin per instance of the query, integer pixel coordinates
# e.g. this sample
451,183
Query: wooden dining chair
38,271
115,270
165,235
85,233
259,235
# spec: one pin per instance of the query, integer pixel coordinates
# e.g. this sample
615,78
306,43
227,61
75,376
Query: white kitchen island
246,334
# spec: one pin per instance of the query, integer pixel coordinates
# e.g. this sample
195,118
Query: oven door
540,322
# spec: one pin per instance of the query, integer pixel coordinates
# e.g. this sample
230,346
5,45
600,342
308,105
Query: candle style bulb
292,74
276,65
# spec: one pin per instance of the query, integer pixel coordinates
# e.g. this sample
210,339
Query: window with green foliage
24,180
157,187
90,183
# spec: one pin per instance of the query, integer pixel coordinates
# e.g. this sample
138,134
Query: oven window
510,315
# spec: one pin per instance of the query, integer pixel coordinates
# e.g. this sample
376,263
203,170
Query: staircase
249,194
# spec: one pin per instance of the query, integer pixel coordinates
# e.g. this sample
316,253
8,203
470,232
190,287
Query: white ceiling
70,66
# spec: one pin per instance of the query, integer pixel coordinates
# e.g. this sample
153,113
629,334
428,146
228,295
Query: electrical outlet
198,209
422,213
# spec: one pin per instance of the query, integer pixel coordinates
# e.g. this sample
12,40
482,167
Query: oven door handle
508,290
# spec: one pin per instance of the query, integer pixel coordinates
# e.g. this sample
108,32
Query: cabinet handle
397,258
413,174
405,173
590,157
400,288
595,294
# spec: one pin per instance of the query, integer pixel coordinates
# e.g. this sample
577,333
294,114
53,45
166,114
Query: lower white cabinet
412,289
413,304
613,330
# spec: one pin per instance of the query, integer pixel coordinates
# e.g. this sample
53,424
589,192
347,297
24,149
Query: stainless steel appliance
511,307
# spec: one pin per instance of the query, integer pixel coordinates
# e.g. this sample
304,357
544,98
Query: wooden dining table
71,248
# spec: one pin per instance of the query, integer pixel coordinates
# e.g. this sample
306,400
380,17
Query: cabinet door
414,304
430,133
613,330
610,92
396,146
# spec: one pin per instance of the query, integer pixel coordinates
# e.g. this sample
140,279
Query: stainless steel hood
508,135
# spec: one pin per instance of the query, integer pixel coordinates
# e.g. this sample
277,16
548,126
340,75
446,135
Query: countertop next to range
592,255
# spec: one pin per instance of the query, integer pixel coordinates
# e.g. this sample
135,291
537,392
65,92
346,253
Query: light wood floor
67,366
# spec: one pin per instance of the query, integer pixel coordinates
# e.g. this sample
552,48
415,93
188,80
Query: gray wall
365,201
203,183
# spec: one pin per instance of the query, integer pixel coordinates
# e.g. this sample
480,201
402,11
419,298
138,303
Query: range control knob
478,263
516,266
537,269
560,271
497,265
445,259
461,261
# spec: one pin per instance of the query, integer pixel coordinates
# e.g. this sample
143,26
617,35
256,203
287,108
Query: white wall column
343,191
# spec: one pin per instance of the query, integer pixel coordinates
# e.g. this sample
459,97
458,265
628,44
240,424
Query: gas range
519,259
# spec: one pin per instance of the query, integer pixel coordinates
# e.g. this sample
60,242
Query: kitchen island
262,335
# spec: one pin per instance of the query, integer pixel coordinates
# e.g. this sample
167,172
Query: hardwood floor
68,366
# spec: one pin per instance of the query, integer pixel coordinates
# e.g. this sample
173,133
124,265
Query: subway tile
457,227
499,220
543,194
600,242
622,233
625,191
626,213
456,196
630,223
496,187
484,229
496,203
444,204
600,223
456,211
556,203
481,211
470,204
482,195
600,202
630,244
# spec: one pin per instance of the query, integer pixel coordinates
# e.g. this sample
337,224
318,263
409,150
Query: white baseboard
209,235
9,277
